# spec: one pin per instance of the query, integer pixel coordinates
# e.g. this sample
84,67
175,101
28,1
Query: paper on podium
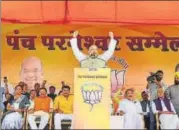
91,98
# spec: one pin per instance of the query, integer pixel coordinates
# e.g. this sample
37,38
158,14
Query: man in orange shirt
63,106
41,108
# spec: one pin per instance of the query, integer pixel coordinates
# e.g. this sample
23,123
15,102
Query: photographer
155,82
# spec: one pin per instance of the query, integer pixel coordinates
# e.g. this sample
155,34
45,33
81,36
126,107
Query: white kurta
105,56
169,121
132,118
140,118
44,117
116,122
10,88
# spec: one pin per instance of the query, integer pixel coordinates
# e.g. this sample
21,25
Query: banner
141,49
91,98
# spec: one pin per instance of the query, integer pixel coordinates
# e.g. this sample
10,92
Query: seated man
63,106
41,108
145,104
32,97
130,111
168,117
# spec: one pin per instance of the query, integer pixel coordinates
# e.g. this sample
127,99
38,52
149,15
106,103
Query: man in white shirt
145,104
93,60
131,112
32,97
7,87
167,113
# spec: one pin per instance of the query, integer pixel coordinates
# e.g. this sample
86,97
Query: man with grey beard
173,93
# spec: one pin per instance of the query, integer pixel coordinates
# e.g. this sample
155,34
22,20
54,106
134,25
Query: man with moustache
31,71
63,106
131,111
42,106
173,93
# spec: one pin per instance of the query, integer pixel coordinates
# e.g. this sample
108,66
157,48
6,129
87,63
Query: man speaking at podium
95,84
93,60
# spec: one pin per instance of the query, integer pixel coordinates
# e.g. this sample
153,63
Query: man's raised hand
111,35
75,34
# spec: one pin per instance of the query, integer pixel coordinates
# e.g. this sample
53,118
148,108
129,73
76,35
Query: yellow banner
141,49
91,98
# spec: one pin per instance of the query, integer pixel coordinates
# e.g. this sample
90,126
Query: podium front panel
91,98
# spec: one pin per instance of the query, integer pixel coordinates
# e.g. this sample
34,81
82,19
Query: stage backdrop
140,50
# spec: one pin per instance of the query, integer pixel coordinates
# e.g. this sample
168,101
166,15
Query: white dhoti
169,121
140,122
133,121
12,121
59,117
132,118
116,122
44,117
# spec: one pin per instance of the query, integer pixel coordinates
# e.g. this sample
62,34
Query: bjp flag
91,98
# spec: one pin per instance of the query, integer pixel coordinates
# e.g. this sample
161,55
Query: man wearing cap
173,92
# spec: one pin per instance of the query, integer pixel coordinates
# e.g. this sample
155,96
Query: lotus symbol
117,80
92,93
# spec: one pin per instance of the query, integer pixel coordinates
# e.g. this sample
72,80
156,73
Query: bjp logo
117,81
92,93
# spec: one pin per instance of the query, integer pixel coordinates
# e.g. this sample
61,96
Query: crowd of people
37,102
158,109
160,103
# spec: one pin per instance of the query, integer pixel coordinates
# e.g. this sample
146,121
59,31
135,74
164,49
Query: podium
91,98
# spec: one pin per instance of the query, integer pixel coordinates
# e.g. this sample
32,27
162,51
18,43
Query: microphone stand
25,116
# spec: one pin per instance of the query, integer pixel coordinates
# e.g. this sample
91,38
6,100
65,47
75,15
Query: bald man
93,60
31,71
